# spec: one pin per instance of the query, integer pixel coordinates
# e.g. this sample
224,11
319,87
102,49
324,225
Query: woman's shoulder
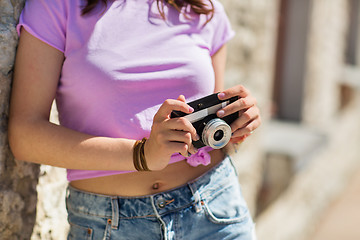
219,15
219,12
46,4
52,6
47,20
218,6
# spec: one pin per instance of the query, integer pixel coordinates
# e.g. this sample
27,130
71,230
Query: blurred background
300,171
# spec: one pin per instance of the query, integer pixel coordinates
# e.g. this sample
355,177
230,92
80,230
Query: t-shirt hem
224,41
86,174
32,32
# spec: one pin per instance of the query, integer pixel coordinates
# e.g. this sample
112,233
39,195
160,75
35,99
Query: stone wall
325,61
51,216
17,179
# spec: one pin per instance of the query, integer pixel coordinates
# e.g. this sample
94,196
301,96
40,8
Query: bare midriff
147,183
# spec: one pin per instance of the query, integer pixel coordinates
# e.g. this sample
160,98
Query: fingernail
197,137
193,149
221,95
220,113
191,109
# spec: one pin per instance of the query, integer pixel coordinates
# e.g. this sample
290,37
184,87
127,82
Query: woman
117,70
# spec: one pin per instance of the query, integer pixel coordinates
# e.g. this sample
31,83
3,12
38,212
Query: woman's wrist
154,159
139,158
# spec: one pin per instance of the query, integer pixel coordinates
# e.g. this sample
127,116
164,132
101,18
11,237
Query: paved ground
342,221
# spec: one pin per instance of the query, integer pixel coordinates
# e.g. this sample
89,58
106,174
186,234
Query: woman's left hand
249,114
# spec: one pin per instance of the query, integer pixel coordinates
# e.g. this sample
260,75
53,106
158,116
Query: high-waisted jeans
209,207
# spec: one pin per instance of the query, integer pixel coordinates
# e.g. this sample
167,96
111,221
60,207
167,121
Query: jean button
161,203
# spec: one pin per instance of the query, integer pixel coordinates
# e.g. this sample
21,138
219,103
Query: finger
170,105
181,98
240,104
248,129
184,137
180,136
239,139
238,90
192,149
172,141
178,147
244,118
182,124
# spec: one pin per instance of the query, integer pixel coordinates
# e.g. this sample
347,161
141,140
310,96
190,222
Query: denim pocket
88,227
80,233
226,206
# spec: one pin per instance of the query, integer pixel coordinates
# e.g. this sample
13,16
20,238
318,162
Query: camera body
213,131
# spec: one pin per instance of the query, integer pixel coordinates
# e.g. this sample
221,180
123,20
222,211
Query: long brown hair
198,6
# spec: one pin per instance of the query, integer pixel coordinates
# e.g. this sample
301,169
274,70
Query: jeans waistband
152,206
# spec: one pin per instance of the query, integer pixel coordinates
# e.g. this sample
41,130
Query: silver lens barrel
216,134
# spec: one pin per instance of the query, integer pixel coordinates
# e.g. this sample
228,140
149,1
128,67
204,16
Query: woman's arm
33,138
249,115
219,63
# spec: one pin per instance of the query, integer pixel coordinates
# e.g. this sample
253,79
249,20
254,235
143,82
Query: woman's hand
249,114
169,135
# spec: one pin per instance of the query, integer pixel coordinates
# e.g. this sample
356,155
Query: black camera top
204,103
213,131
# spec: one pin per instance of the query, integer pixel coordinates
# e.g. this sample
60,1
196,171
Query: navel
156,186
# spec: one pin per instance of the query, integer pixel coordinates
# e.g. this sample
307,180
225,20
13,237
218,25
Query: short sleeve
45,20
222,31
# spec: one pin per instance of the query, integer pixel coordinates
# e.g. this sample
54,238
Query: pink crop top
123,61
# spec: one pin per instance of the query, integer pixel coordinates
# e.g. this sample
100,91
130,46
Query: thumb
181,98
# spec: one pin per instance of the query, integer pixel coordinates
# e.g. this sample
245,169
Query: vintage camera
213,131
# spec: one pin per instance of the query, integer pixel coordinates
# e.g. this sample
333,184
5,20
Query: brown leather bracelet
142,156
136,155
139,159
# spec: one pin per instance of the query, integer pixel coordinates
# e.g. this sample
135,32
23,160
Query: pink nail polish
191,109
221,95
197,137
220,113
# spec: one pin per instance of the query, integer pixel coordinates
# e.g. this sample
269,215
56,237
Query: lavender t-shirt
123,60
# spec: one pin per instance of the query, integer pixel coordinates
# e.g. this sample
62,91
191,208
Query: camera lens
218,135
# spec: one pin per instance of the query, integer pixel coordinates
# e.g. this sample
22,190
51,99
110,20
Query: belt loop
115,213
197,197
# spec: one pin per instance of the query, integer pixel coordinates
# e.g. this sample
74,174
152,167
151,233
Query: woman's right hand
169,135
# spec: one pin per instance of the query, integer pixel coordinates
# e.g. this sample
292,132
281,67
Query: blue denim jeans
209,207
